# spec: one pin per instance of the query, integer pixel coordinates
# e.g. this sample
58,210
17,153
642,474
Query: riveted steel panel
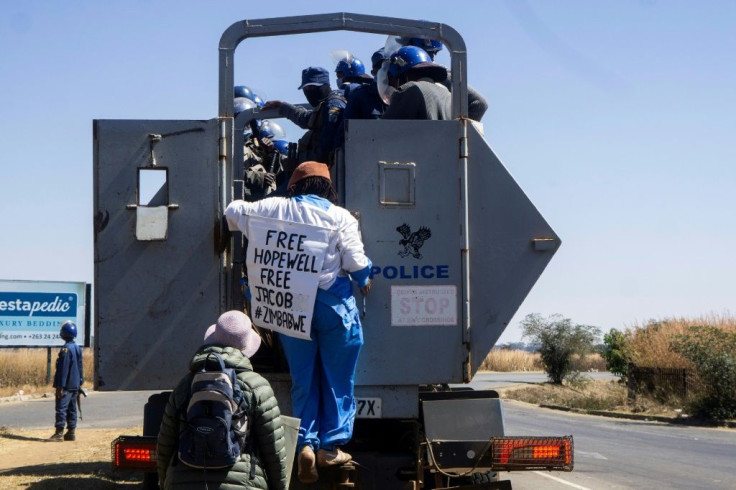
154,299
413,322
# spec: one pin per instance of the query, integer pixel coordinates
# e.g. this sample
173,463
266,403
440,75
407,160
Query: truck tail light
532,453
134,453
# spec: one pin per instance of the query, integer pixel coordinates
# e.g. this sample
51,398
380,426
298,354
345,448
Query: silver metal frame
343,21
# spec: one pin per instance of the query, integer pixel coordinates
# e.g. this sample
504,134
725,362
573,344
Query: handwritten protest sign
284,260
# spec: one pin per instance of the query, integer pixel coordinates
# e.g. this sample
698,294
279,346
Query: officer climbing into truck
322,122
68,379
265,151
322,363
350,74
477,105
265,148
364,101
415,84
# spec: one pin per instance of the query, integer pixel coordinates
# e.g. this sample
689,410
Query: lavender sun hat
234,329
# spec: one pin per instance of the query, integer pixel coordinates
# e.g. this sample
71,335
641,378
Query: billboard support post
48,365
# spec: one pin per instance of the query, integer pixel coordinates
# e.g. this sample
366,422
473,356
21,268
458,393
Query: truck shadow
79,476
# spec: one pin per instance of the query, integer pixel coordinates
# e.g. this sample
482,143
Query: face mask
316,95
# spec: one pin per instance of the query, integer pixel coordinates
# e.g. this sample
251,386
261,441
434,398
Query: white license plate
368,408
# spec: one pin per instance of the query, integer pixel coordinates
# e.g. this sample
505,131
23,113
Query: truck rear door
158,275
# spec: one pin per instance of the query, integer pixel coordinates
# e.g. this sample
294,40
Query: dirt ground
28,460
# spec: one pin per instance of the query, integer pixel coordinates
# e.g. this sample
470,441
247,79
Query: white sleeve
352,254
237,215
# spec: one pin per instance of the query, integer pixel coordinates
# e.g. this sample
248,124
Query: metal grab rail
304,24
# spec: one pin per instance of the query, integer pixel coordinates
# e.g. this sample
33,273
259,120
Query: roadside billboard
31,312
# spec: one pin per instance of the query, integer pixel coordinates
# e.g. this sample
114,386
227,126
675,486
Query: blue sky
617,118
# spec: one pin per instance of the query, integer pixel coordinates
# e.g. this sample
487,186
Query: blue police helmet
378,57
243,91
350,68
271,130
68,330
259,101
431,46
282,146
405,59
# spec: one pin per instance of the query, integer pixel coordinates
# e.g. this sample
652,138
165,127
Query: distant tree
514,346
615,352
561,343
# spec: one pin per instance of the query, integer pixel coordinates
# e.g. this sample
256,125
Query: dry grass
505,360
649,344
26,369
27,460
607,395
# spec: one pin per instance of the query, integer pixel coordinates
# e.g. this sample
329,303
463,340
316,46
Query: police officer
419,91
477,104
68,379
350,74
364,102
322,122
265,151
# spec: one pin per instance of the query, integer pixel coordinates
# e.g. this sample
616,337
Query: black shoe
69,436
58,435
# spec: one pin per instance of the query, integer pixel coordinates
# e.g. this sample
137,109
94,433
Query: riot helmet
281,146
431,46
271,130
68,330
245,92
405,59
241,104
352,67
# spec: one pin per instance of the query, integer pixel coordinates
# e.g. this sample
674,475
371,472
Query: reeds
26,369
506,360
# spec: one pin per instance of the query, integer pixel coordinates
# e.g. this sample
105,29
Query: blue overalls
323,369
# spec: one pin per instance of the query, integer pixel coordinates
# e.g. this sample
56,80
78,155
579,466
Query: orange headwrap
309,169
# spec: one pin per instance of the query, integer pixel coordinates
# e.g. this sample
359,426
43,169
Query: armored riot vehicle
165,269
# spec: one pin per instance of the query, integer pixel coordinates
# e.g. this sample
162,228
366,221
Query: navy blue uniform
364,102
322,125
68,377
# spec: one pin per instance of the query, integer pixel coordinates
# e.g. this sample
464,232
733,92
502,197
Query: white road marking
586,454
560,480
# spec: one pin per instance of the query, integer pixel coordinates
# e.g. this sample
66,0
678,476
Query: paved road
609,453
100,410
623,454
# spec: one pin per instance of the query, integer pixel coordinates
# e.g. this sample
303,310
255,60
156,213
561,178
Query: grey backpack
214,424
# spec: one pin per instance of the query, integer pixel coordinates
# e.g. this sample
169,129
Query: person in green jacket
234,339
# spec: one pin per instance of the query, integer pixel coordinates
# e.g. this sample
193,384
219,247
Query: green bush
615,353
561,344
713,354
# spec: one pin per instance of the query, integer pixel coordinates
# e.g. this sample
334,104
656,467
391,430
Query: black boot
58,435
69,436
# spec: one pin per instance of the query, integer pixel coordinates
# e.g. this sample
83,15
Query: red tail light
532,453
134,453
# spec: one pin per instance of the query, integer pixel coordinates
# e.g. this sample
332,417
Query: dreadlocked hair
319,186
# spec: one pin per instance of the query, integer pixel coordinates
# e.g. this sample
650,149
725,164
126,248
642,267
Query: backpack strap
217,357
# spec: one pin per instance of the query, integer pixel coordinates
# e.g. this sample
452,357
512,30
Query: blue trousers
66,410
323,375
